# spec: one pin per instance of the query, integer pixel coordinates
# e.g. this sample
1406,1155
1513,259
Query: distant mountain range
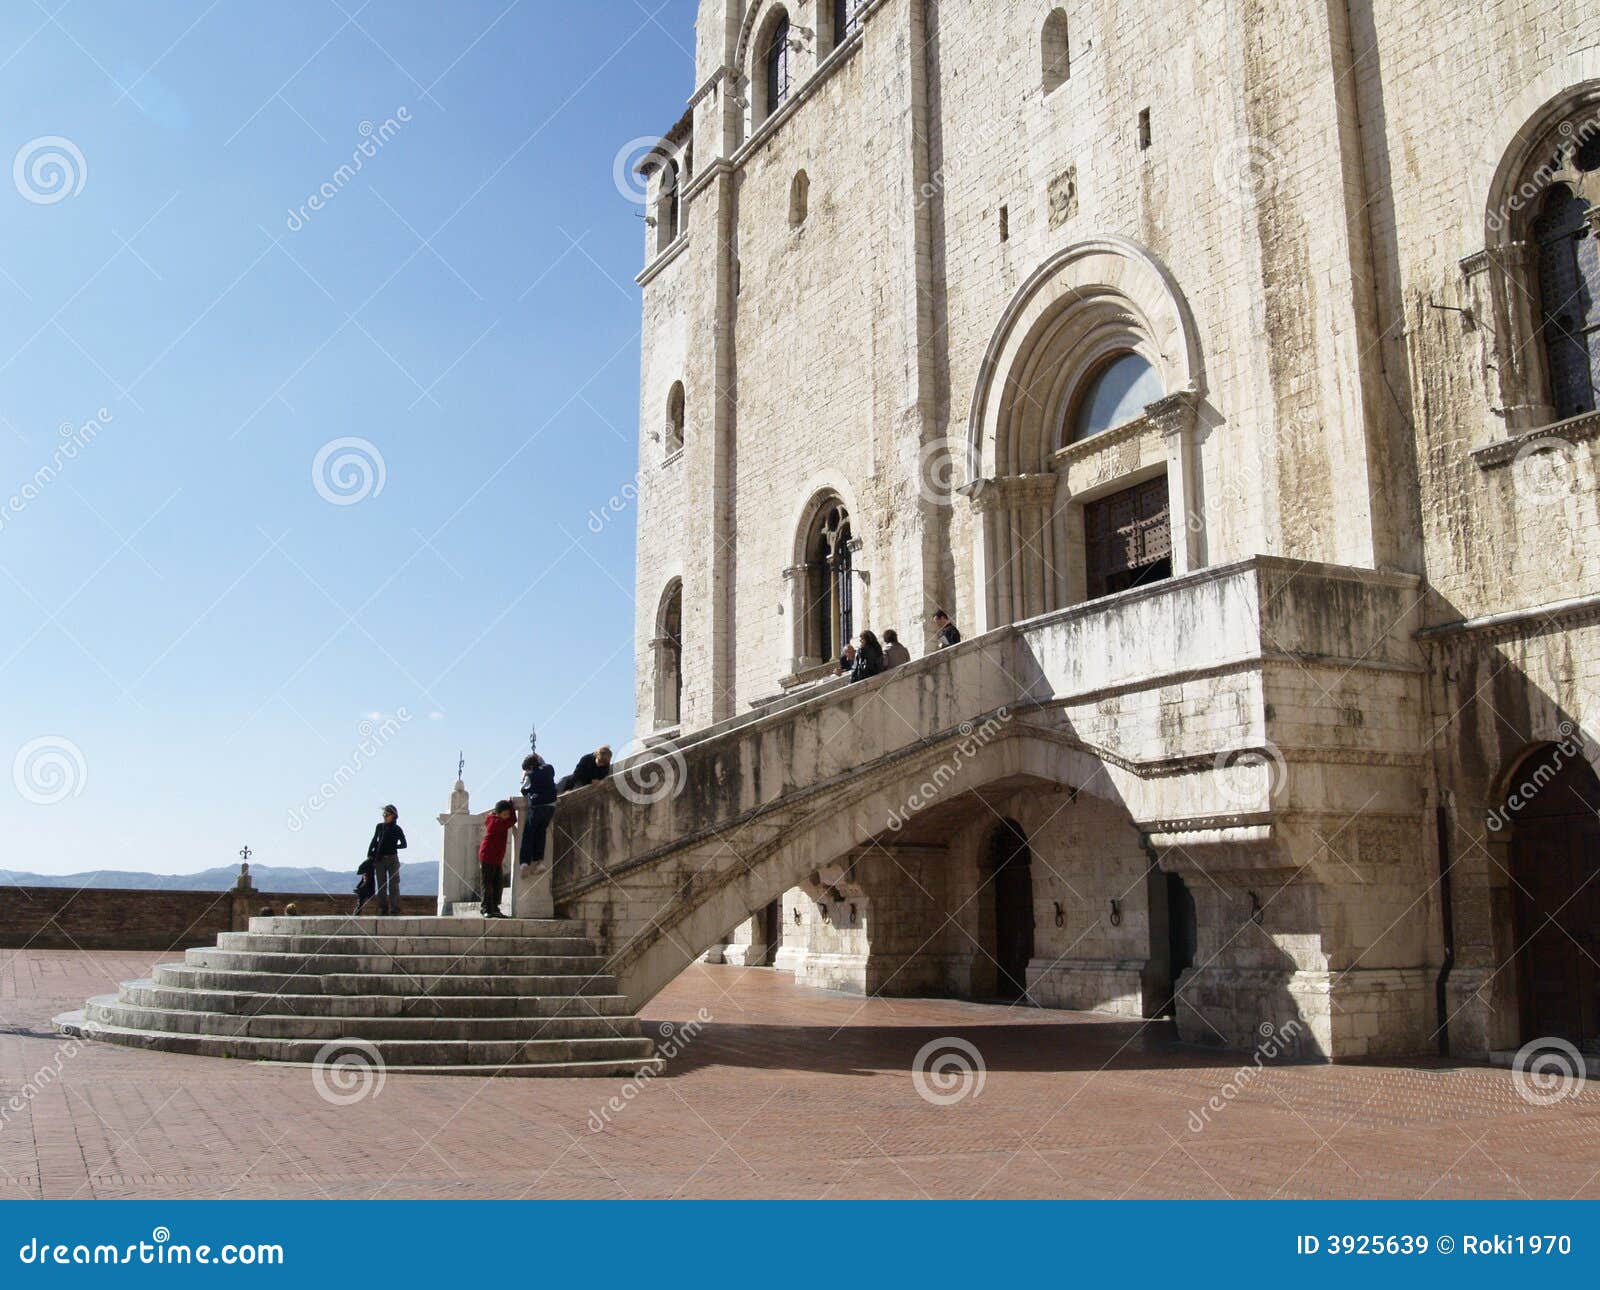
415,879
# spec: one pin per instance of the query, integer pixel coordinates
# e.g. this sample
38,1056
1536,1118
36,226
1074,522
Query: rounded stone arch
1569,87
817,492
1089,301
647,953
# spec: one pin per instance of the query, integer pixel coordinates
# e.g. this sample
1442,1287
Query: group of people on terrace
379,874
866,656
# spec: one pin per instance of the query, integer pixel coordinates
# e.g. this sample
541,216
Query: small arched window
1569,299
667,206
1055,51
846,20
675,418
799,198
775,59
1114,394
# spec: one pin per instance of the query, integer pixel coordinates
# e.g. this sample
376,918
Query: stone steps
421,965
188,976
147,994
406,946
280,1023
620,1058
445,995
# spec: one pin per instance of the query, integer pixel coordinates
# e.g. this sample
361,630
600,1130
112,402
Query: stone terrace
787,1092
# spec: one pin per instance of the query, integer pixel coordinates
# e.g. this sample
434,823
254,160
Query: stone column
532,894
1176,418
458,858
795,580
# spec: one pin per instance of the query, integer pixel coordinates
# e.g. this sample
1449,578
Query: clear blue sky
191,633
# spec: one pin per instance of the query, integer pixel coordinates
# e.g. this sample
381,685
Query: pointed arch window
675,419
667,208
775,59
1565,242
1055,52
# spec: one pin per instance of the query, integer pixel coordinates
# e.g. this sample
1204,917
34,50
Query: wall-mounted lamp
822,911
1061,914
852,914
797,919
1116,913
1257,913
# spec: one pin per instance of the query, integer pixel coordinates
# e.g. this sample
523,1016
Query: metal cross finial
245,852
461,764
533,738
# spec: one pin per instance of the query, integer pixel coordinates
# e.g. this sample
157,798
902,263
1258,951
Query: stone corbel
1176,418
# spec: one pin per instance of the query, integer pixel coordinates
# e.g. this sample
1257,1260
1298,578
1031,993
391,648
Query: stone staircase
454,995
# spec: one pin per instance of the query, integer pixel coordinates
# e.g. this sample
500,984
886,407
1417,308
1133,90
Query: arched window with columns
823,583
1536,282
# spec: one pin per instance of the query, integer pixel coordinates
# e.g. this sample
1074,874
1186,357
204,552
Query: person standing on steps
847,658
497,830
894,653
388,841
948,635
539,787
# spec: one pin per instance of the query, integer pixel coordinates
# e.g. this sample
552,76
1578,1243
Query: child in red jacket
492,855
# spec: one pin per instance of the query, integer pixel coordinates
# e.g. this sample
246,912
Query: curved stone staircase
429,995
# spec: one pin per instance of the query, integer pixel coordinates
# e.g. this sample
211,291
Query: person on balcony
591,768
869,658
539,787
948,635
894,653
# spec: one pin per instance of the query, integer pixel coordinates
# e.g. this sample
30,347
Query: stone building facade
1060,314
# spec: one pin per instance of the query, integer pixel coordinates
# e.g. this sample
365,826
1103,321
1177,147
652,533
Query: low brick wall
65,918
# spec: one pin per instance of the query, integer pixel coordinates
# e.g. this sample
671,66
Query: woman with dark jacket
869,658
388,840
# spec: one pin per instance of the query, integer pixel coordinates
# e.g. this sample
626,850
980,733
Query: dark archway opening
1011,863
1183,935
1554,808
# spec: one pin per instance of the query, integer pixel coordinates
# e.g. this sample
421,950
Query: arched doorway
1010,863
1554,808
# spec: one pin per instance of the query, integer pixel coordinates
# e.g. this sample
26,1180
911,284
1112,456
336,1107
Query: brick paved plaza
786,1093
